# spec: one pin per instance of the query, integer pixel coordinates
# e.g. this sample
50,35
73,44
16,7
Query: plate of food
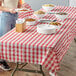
21,10
30,21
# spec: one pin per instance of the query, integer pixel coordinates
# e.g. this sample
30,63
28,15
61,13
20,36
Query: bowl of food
61,15
48,7
21,10
30,21
39,14
56,24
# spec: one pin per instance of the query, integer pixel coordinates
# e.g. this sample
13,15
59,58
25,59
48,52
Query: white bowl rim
38,26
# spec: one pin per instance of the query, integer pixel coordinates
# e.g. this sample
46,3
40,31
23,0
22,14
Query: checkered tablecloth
36,48
27,13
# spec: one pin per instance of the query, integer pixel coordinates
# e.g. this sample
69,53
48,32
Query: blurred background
36,4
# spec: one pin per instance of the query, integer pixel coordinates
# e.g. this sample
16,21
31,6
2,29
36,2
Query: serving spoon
47,21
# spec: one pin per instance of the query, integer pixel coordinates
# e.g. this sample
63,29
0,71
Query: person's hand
12,11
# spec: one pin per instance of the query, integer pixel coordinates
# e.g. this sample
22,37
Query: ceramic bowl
30,22
39,14
47,7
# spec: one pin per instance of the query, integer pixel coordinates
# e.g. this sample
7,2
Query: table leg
27,70
75,39
42,70
14,70
23,66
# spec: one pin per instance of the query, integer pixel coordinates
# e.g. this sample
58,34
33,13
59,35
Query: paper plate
46,29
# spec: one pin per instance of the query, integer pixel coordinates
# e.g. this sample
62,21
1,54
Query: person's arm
5,9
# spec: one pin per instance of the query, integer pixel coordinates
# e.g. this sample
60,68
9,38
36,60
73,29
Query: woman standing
8,20
9,15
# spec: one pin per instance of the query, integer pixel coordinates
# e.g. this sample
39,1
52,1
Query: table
36,48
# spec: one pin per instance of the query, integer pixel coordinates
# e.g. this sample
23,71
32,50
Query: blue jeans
7,22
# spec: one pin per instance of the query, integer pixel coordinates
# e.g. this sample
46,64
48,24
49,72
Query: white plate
46,29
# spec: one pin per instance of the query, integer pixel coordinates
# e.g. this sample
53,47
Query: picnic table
37,48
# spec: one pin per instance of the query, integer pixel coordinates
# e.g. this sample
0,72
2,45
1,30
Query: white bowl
39,15
30,23
47,8
19,21
62,17
46,29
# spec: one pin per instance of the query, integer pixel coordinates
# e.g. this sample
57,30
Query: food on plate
30,19
23,10
39,12
48,5
55,23
62,13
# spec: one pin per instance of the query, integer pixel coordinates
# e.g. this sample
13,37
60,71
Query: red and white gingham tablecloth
36,48
27,13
